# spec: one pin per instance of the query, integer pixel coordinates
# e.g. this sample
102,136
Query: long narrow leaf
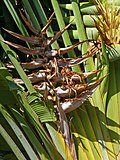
12,144
19,135
32,137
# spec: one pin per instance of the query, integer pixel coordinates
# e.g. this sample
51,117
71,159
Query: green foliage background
94,125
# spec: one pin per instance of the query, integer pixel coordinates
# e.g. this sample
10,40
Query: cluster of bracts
51,73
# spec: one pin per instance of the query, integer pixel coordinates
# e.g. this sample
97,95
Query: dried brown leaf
32,40
76,89
61,51
36,63
42,87
72,104
37,77
35,51
43,31
58,34
28,23
69,62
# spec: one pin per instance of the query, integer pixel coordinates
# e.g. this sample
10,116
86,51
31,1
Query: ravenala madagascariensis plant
42,110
